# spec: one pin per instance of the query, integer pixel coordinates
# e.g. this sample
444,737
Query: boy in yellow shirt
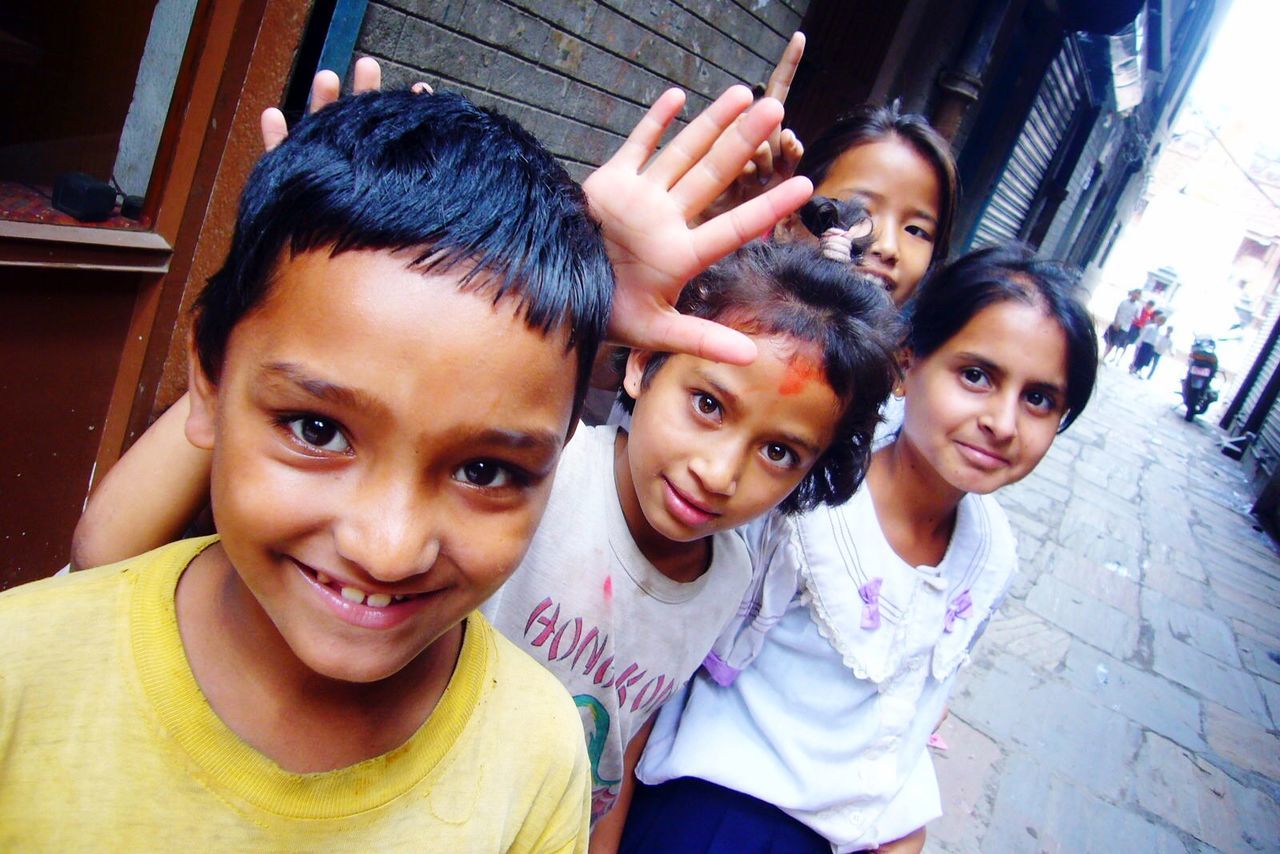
379,371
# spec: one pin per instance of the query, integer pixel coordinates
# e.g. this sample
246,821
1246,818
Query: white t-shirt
830,720
1126,312
1149,334
1163,344
616,632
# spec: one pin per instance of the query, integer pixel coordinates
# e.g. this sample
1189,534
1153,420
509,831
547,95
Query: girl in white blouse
807,728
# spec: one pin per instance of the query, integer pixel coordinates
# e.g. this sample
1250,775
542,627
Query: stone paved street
1127,699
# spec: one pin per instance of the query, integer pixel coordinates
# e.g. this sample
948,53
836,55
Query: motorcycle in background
1202,367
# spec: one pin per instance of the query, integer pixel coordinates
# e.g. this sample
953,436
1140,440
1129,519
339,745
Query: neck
916,508
273,701
679,561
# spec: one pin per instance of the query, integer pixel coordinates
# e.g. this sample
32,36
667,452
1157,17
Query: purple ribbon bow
962,607
870,593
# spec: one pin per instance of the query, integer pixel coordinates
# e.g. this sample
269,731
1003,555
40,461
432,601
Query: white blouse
831,696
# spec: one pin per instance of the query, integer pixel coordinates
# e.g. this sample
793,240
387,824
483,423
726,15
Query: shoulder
992,536
66,615
527,692
587,448
993,521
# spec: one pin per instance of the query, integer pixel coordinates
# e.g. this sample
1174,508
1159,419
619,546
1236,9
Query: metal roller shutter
1061,94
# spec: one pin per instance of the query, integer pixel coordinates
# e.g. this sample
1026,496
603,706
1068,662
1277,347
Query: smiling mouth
884,276
685,509
356,596
981,457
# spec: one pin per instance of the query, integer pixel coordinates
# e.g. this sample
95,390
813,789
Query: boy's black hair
768,288
951,296
870,123
462,187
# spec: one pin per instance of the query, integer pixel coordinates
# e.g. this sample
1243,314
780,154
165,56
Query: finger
779,85
421,88
274,128
715,239
762,160
325,89
716,169
705,339
693,143
645,136
367,76
790,150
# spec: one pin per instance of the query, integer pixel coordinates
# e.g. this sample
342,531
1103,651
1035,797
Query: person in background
1117,335
1147,339
1163,345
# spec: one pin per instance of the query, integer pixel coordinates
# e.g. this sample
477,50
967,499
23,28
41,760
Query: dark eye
974,377
779,454
1040,401
319,433
705,404
486,473
920,232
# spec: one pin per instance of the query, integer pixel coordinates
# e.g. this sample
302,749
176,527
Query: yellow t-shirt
106,742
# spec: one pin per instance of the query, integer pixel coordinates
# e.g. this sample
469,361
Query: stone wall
579,73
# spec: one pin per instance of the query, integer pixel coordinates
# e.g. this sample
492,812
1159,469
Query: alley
1127,698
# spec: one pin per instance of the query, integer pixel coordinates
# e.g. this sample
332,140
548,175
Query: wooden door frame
238,60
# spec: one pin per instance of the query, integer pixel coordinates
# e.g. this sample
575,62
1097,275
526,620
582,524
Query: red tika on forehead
801,370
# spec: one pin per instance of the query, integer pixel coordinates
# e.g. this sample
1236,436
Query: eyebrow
543,444
735,402
323,389
721,392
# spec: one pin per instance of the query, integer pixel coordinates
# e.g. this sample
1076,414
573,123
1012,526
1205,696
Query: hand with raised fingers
776,158
325,89
645,211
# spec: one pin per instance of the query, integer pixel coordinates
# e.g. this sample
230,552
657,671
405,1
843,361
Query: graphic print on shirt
579,652
595,722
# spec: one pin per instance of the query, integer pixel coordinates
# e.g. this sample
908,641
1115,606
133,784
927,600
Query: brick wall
578,73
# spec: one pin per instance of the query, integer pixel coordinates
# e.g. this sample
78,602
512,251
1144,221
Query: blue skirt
692,816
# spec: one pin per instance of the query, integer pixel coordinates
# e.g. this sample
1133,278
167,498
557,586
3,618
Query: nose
388,529
885,244
716,470
1000,418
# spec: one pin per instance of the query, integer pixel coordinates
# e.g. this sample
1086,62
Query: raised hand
645,213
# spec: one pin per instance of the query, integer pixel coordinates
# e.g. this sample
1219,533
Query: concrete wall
579,73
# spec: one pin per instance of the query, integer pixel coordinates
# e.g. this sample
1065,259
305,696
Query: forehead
413,341
889,169
784,390
1018,338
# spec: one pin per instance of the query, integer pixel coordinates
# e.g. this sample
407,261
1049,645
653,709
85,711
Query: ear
202,420
792,230
905,360
633,379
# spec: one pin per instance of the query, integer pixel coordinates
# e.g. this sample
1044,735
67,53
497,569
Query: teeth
399,598
322,578
377,600
351,594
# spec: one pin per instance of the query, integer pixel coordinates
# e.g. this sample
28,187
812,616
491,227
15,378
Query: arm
606,836
150,496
